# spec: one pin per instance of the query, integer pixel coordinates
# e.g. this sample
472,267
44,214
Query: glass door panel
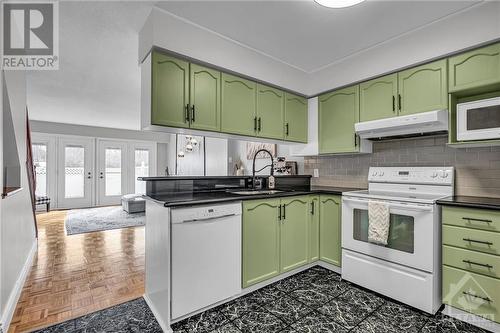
76,160
401,230
40,163
112,171
141,169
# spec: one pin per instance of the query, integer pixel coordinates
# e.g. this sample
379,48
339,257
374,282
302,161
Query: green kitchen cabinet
238,110
204,98
270,112
260,241
338,112
294,232
314,229
378,98
330,229
170,91
295,118
423,88
474,70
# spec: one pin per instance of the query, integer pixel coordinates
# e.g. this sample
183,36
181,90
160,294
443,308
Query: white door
142,163
111,171
75,172
411,232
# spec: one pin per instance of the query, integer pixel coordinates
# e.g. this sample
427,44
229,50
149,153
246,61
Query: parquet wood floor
75,275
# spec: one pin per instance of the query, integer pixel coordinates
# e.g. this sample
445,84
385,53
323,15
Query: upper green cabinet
378,98
270,112
295,118
260,241
294,232
238,105
423,88
314,229
475,70
330,249
204,98
170,91
338,112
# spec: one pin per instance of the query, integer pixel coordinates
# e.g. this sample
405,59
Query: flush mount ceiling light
338,3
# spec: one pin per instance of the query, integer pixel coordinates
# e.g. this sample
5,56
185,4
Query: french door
75,172
111,171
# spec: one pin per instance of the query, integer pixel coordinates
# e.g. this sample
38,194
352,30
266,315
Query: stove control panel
412,175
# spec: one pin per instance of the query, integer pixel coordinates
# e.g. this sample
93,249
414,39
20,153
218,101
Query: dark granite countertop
178,199
471,202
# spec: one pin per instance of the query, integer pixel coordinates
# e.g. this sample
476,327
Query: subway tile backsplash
477,170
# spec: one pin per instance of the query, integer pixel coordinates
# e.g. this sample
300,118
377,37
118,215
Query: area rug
79,221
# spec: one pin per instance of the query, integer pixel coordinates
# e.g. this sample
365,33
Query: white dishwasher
206,256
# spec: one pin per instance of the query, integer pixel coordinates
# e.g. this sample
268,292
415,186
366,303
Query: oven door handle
393,205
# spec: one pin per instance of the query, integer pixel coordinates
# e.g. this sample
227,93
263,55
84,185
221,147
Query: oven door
479,120
413,234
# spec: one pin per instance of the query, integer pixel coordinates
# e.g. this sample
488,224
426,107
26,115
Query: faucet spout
253,164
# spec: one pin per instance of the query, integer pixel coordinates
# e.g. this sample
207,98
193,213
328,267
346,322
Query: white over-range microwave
479,120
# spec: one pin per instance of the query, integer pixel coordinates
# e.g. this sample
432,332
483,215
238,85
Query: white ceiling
306,35
98,82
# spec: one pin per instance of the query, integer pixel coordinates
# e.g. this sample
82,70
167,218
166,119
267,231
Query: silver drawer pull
476,220
477,264
487,299
476,241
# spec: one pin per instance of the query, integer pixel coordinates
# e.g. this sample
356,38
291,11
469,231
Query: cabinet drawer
471,292
470,239
472,261
483,219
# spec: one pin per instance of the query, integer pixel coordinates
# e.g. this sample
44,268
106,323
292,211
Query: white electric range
408,267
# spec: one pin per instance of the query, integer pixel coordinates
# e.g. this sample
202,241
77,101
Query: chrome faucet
253,165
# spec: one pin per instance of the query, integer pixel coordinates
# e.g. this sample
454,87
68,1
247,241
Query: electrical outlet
316,173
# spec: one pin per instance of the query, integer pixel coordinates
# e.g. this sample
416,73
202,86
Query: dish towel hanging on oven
378,222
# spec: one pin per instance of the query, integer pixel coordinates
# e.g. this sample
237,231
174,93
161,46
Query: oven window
401,230
483,118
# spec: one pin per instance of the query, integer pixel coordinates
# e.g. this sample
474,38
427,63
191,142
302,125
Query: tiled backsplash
477,170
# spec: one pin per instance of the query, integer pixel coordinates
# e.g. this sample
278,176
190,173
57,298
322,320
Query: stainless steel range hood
404,126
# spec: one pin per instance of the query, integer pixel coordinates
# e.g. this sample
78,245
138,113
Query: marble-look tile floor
316,300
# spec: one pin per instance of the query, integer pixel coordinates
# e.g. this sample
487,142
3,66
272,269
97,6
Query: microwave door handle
392,205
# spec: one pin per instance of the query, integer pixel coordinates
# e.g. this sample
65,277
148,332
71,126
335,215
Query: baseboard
331,267
10,307
166,328
472,319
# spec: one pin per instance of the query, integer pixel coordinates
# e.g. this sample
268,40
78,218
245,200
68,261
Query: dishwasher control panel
204,212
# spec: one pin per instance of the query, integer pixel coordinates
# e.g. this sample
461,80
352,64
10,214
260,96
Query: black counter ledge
471,202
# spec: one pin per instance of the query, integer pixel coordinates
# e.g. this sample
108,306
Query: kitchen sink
256,192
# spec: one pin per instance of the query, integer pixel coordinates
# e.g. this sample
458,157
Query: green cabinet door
238,105
170,91
294,232
378,98
475,69
329,229
295,118
260,241
204,98
314,229
423,88
270,112
338,112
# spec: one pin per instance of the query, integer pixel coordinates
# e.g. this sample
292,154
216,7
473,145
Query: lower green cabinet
294,233
261,240
314,229
330,229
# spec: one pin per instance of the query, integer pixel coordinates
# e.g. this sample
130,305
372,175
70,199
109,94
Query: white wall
17,223
216,156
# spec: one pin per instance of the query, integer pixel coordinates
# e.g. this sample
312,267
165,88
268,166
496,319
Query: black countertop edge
171,201
471,202
215,177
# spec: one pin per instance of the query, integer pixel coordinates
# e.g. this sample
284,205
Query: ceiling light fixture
338,3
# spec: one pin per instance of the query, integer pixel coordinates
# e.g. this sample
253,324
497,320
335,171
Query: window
40,164
74,178
141,169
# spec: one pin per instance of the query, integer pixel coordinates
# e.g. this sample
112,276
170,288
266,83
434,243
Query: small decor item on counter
270,182
239,170
283,167
253,147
